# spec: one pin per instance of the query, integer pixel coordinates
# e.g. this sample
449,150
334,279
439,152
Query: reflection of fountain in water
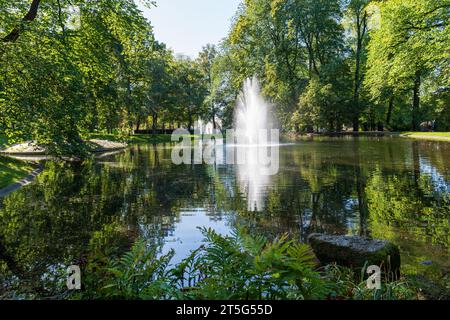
251,117
252,183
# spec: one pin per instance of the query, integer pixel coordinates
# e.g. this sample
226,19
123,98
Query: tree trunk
361,26
389,112
154,120
138,124
214,121
416,102
190,123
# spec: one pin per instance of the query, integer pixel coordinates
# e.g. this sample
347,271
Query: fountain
252,121
252,112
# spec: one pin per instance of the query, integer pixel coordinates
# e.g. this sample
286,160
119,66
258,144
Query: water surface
390,188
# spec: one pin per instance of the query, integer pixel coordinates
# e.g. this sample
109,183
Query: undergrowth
236,267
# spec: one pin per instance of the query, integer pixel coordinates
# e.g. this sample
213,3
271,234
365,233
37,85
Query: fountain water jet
252,118
252,112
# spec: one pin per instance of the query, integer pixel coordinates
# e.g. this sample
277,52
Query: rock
26,148
30,148
356,252
106,145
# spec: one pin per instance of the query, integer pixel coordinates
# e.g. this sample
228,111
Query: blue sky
187,25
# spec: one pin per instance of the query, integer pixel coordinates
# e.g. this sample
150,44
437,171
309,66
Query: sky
186,26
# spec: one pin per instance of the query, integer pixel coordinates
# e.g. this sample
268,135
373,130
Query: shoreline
27,155
110,146
432,136
21,183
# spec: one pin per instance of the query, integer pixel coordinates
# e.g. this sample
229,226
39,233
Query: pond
389,188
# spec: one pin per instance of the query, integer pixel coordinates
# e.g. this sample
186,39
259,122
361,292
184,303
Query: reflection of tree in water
359,187
410,203
331,191
51,222
309,195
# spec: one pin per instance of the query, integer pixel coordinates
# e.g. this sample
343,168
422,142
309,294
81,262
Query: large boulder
356,252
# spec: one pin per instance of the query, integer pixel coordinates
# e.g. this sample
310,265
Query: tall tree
410,46
357,10
205,61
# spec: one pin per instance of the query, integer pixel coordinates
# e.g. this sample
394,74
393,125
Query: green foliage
139,274
244,267
347,286
340,64
226,267
408,53
12,170
318,108
83,66
284,43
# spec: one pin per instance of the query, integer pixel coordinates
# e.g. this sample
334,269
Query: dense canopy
80,66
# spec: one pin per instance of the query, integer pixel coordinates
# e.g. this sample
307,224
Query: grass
135,138
442,136
12,170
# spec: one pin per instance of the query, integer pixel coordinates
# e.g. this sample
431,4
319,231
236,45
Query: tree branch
30,16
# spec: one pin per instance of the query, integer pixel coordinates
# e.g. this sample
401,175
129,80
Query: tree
71,67
285,43
357,11
205,61
410,46
30,16
192,90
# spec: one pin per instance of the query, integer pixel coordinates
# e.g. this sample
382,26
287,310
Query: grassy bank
12,170
133,139
436,136
441,136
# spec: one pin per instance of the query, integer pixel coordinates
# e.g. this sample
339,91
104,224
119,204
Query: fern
139,274
238,266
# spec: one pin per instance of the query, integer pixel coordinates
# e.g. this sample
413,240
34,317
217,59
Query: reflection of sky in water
439,181
186,235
